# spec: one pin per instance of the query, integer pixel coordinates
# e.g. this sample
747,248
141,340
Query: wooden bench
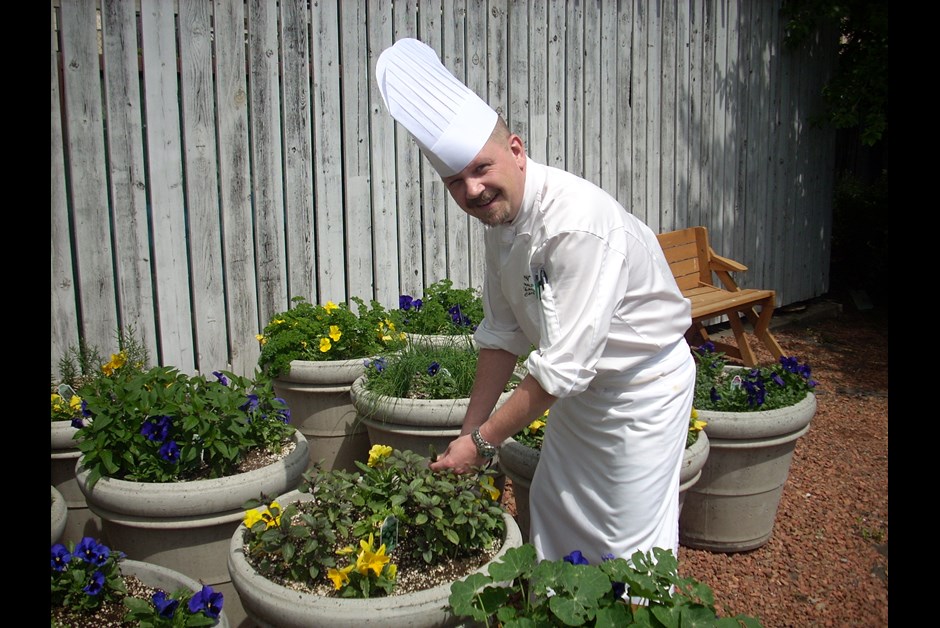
693,263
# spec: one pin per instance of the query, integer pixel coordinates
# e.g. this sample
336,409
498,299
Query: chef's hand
460,457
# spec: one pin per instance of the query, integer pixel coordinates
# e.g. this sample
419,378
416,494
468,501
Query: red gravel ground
826,563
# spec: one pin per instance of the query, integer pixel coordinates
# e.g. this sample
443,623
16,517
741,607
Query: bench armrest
718,263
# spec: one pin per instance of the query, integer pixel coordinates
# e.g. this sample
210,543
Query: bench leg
761,325
747,355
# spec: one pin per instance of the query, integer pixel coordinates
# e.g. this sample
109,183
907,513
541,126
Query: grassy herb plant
424,370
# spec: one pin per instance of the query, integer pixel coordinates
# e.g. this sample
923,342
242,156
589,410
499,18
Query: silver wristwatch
484,449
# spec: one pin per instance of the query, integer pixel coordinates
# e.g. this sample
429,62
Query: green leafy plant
326,332
161,425
443,310
87,584
373,532
521,591
783,384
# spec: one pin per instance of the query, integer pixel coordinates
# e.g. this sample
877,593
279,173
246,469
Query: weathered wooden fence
212,159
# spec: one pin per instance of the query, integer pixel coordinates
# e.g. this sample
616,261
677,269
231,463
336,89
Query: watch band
484,448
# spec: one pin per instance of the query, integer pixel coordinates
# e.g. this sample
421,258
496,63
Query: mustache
482,199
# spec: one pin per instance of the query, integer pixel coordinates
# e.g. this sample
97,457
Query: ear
518,150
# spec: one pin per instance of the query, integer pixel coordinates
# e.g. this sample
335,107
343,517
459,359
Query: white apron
631,429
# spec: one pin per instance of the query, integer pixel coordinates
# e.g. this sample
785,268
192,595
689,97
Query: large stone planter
187,526
411,424
271,605
317,394
168,580
60,514
81,521
733,505
693,460
518,462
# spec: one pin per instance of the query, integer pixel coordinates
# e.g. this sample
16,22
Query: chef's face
491,187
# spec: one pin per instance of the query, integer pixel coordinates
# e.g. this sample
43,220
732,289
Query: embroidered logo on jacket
527,288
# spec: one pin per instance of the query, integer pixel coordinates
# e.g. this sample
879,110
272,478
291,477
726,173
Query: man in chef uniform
572,273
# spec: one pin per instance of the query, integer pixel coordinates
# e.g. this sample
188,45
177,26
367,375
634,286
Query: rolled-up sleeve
581,281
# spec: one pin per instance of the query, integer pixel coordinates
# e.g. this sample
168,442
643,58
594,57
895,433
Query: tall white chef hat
449,122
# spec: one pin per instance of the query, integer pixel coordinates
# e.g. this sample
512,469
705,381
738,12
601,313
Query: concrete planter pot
733,505
410,424
60,514
693,460
271,605
317,394
518,462
186,526
81,522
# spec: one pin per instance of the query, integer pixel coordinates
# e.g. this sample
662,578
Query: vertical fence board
354,80
454,55
555,155
408,159
128,179
609,104
592,89
536,141
329,219
574,88
298,150
625,106
433,194
683,115
266,157
241,286
85,160
64,333
667,118
383,189
201,186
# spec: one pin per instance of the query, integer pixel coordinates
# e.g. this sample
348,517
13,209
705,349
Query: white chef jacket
587,284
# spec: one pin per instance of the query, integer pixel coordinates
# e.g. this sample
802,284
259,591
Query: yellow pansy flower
271,520
335,333
330,306
75,403
252,517
117,361
370,560
488,486
378,453
536,425
340,577
325,345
